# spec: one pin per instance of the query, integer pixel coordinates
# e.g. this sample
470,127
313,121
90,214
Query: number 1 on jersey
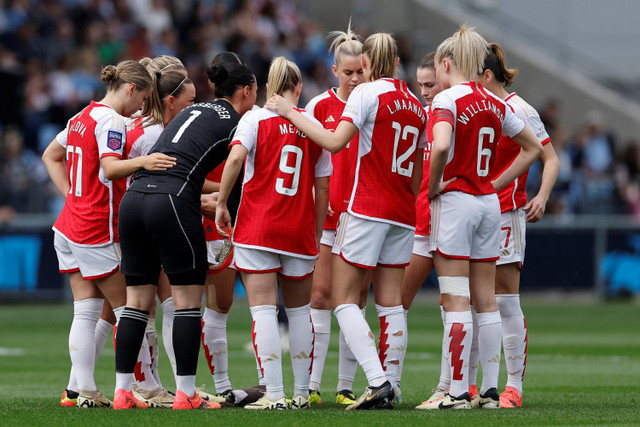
185,125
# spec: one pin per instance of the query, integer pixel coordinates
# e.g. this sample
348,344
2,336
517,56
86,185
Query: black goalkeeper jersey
198,137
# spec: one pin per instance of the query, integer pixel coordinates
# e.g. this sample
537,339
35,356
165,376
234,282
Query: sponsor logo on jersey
114,140
330,119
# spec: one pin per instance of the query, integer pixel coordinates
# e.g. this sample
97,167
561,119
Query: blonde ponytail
284,75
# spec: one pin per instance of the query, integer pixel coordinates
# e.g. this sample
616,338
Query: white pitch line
11,351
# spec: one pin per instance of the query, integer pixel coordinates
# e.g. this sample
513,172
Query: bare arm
321,187
442,132
531,150
229,176
331,141
416,179
54,160
550,170
210,187
116,168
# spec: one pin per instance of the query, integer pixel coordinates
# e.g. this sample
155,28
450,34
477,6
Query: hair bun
109,73
217,74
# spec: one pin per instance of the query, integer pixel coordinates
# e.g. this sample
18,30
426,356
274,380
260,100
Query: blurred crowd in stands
51,53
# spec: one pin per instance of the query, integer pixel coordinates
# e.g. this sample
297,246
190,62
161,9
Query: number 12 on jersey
404,133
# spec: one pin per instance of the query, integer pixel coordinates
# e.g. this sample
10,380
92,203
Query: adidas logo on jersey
329,119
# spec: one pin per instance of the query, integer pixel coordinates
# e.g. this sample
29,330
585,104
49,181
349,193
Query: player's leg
489,329
130,332
453,275
320,316
87,306
295,282
393,324
219,297
263,300
514,327
514,332
347,362
187,328
168,312
415,274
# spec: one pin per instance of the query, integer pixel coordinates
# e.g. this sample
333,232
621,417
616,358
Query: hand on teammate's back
158,162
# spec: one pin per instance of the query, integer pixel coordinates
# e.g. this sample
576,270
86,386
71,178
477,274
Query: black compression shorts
161,230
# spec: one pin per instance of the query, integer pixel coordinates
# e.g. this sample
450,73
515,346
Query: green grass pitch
583,368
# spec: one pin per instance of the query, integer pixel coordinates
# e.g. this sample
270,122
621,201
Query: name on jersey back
223,113
477,107
400,104
290,128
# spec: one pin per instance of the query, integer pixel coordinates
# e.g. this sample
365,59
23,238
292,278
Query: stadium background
587,93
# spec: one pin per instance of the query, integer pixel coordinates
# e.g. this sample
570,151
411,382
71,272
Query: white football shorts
512,237
367,244
93,262
464,226
260,261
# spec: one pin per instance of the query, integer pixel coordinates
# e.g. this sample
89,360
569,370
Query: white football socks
474,354
168,312
152,338
489,342
82,341
361,341
445,371
514,338
391,347
214,343
301,347
458,334
266,344
321,320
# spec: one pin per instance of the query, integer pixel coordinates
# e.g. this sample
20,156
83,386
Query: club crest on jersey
114,140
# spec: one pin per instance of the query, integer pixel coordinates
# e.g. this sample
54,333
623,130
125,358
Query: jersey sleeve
111,135
511,125
447,107
61,137
247,131
360,105
324,167
536,125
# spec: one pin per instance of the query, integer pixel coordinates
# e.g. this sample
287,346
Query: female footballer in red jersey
327,109
277,231
377,230
516,212
465,211
85,163
421,263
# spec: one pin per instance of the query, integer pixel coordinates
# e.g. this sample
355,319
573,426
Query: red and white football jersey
327,109
513,195
478,118
423,207
277,210
90,213
140,139
210,230
392,124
